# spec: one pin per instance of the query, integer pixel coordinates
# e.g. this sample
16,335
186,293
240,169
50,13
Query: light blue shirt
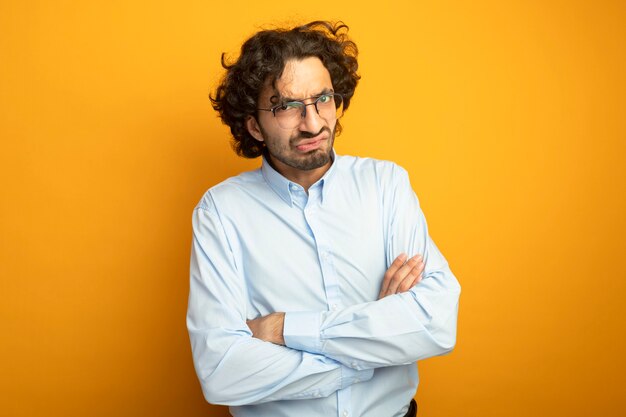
261,244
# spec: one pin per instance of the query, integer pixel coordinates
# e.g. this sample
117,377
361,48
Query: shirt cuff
301,331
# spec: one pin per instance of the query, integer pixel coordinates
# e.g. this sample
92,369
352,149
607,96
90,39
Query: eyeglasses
289,114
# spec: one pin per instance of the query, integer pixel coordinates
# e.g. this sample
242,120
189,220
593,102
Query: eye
289,106
326,98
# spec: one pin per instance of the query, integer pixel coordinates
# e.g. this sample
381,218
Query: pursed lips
312,143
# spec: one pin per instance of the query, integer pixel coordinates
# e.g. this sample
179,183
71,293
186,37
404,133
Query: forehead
301,78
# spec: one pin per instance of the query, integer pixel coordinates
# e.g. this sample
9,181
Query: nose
312,121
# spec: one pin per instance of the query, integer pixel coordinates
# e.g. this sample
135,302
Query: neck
305,178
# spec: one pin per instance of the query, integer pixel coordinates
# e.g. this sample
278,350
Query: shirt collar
282,186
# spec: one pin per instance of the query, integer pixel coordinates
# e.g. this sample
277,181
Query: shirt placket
334,300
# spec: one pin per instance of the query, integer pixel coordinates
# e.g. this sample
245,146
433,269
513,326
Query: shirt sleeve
233,367
398,329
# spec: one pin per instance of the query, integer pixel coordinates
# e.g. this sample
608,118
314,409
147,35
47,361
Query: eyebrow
278,99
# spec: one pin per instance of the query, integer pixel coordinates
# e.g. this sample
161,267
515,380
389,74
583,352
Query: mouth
312,144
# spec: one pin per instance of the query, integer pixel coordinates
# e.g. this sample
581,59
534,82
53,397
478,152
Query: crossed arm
413,318
315,353
401,276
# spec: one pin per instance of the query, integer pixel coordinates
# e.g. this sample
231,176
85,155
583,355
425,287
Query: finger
414,276
395,272
402,274
420,275
407,282
393,268
420,267
416,281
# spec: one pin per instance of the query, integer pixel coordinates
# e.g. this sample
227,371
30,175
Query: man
304,300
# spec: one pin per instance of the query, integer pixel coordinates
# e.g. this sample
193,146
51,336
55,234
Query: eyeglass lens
291,113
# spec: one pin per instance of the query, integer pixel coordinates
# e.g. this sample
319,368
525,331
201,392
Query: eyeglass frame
304,105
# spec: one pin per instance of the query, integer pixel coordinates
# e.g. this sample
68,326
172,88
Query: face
307,147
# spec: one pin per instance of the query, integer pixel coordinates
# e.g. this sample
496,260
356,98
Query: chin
315,159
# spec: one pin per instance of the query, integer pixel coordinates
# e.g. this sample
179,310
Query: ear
254,129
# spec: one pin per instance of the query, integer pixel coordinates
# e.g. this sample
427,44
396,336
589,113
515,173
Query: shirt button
345,413
333,307
357,380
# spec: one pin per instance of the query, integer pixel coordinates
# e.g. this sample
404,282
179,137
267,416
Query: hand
268,328
402,275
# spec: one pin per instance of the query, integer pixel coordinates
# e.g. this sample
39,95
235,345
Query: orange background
509,116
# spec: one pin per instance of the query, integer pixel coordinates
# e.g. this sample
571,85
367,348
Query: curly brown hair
262,60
